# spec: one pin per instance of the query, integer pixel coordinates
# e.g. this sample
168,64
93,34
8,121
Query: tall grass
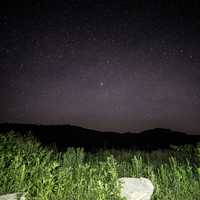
42,173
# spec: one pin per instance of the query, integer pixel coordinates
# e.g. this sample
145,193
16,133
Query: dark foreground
63,136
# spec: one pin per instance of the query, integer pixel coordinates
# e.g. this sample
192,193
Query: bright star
101,84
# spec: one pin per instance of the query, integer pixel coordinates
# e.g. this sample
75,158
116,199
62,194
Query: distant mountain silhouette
73,136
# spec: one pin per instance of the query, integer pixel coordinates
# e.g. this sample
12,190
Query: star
107,61
101,84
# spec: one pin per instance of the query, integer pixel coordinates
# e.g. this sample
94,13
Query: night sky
111,66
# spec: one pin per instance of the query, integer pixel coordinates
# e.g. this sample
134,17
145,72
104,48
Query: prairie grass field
44,173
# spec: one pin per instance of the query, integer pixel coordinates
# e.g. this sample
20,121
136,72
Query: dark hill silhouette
67,136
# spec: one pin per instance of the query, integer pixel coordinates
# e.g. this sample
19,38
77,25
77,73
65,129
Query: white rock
13,196
136,188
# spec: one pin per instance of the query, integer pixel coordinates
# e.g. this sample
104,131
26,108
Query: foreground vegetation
46,174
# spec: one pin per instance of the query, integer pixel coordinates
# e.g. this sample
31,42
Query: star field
114,66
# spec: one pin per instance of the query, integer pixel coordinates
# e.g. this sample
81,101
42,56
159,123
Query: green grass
42,173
